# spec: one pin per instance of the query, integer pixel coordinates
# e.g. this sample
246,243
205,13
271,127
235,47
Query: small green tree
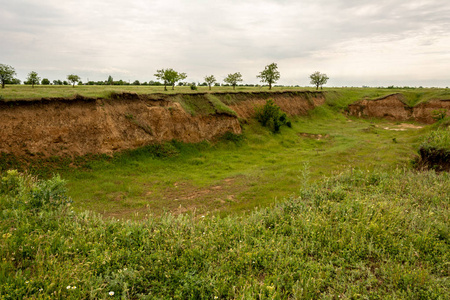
169,77
33,78
45,81
270,74
110,80
210,80
6,74
233,79
318,79
73,79
270,115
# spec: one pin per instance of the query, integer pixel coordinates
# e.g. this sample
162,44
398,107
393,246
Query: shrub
232,137
193,87
270,115
439,114
438,139
435,151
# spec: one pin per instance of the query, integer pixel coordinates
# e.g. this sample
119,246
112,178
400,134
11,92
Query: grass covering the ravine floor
356,235
239,173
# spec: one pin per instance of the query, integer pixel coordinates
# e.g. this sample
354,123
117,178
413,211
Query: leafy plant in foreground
359,235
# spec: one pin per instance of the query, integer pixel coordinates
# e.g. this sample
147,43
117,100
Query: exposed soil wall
293,103
392,107
72,127
78,127
436,159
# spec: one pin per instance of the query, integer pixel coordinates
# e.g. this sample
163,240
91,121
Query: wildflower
74,287
27,282
68,287
41,289
111,293
215,297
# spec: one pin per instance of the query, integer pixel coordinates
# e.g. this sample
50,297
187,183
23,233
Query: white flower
111,293
27,282
40,290
68,287
74,287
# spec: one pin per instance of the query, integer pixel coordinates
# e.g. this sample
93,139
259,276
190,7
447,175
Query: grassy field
230,176
328,209
358,235
337,96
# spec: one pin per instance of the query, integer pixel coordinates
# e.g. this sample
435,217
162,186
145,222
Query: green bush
437,139
232,137
270,115
439,114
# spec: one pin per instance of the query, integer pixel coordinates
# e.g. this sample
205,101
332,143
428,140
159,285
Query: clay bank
393,107
80,125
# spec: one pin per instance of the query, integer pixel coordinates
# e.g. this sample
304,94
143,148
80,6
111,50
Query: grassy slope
360,235
229,177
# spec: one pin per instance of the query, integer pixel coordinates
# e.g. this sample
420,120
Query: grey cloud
202,36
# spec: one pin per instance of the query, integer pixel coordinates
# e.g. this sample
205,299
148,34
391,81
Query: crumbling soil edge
394,108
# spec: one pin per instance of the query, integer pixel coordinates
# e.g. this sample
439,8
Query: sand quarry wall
293,103
392,107
79,126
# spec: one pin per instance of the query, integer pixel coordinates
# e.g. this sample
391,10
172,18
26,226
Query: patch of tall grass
357,235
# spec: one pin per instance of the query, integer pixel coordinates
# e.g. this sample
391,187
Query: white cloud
356,41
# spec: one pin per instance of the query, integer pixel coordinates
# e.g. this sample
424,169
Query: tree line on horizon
169,77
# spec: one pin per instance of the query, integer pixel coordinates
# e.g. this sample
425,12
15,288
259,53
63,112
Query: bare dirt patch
402,127
183,197
393,107
314,136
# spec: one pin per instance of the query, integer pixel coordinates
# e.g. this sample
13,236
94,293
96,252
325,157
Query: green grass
356,235
17,92
437,139
227,177
338,97
327,209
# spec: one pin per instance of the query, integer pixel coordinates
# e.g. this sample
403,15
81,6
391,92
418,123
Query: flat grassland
343,96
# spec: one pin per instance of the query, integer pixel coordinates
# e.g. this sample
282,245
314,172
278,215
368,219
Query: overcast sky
355,42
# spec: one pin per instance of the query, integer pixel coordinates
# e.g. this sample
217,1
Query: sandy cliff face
78,127
71,127
393,108
293,103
